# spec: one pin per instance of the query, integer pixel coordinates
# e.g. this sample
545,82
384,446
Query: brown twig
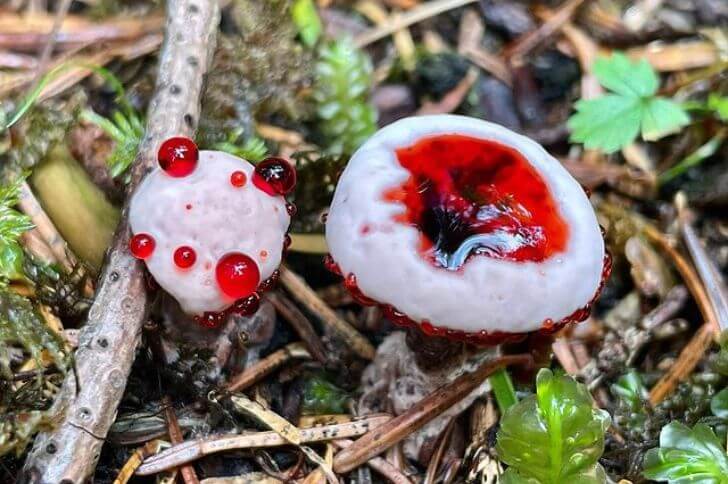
266,366
136,459
527,42
382,466
300,323
189,476
192,450
382,438
303,293
87,402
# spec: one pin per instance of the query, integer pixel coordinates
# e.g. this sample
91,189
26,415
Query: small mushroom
212,228
464,232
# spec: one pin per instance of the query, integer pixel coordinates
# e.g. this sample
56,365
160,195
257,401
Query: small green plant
12,226
341,90
320,397
307,21
252,149
613,121
687,455
554,436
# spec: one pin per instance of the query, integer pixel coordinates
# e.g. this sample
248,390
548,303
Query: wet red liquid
178,156
142,246
460,187
184,257
275,176
238,179
237,275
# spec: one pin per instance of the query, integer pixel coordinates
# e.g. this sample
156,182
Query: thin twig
380,439
87,402
300,323
382,466
303,293
266,366
189,476
192,450
417,14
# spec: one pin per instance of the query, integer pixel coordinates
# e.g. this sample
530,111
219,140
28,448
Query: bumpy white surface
223,219
486,294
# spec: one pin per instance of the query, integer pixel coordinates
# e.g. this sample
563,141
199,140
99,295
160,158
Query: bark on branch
107,344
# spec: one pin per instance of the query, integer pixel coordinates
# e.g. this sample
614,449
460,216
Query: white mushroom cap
203,210
486,294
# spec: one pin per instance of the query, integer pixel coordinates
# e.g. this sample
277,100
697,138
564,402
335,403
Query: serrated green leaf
662,117
632,79
606,123
687,456
555,436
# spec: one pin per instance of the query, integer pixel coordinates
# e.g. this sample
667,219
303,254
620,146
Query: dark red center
469,196
178,156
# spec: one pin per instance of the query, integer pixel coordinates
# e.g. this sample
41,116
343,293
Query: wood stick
189,476
300,323
301,291
382,466
192,450
266,366
87,402
381,438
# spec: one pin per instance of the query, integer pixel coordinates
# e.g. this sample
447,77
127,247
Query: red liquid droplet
211,320
237,275
185,257
470,196
271,282
331,265
275,176
178,156
238,179
188,206
263,254
248,305
142,246
287,241
291,209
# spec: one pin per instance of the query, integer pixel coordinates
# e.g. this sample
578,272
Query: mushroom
463,231
212,228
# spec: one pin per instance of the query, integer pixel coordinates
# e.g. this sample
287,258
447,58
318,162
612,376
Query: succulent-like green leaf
686,456
555,436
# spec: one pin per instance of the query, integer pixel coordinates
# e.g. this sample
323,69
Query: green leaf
687,456
719,104
631,391
307,21
555,436
662,117
607,123
719,404
12,225
322,397
631,79
613,121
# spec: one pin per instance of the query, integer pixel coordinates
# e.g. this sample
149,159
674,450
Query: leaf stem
505,394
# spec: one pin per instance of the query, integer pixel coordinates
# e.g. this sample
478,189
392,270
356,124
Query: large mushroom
464,231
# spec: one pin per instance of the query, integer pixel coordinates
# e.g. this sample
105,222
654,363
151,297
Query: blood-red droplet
275,176
185,257
142,245
291,209
237,275
248,305
238,179
178,156
188,206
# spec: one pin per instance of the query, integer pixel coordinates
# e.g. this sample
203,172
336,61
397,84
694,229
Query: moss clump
342,87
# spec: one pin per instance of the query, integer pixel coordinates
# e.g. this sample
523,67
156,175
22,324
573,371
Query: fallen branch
253,374
87,402
381,438
192,450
